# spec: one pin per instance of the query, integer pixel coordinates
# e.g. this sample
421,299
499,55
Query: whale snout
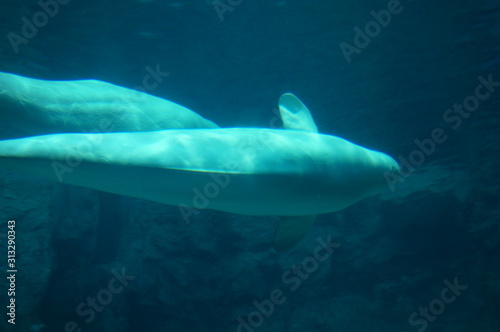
384,166
394,166
384,162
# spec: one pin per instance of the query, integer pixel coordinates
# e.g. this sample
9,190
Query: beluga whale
295,172
32,107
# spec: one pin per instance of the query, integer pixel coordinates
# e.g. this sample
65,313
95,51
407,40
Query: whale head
366,172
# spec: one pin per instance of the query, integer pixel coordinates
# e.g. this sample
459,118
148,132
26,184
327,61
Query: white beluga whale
295,173
40,107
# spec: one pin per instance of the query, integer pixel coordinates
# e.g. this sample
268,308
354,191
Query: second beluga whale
32,107
296,173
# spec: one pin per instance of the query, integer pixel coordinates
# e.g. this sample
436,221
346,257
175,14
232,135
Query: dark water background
441,223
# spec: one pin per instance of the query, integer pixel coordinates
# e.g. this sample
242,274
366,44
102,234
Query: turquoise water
414,79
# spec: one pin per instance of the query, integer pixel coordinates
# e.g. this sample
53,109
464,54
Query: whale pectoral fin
291,230
295,114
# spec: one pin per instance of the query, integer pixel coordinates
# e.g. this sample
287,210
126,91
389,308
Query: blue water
421,258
